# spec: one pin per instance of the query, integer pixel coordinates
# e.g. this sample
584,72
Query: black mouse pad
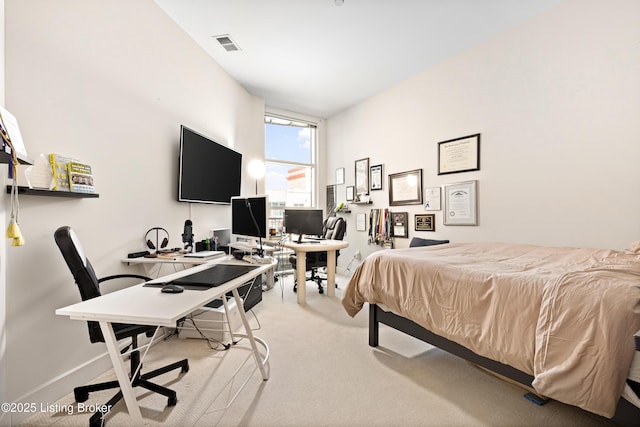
209,278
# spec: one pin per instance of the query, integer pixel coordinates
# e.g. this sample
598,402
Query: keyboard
204,254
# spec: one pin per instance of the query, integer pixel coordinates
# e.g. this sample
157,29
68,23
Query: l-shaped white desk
143,305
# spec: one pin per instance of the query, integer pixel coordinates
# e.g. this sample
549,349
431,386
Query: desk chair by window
89,286
334,229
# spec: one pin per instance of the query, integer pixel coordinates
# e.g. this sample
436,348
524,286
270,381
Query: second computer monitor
304,221
249,216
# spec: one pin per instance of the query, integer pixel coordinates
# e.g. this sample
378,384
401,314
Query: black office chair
89,286
334,229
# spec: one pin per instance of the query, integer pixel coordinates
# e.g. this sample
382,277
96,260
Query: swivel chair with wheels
333,229
89,286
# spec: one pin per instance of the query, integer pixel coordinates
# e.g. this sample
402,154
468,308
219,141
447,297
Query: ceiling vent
227,43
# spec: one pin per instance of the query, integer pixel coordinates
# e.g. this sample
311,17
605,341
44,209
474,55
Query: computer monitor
249,218
304,221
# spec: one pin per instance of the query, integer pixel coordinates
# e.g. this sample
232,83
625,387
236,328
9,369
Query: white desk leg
252,340
301,276
331,273
226,313
121,372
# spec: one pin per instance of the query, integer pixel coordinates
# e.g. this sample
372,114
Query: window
290,180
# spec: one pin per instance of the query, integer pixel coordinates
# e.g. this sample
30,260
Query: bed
562,320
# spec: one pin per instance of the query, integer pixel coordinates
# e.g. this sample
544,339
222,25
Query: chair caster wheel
96,421
81,396
321,291
185,368
295,288
172,401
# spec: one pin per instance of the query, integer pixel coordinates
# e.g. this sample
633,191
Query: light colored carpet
323,373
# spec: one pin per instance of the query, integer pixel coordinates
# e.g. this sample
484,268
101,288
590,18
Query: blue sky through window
288,143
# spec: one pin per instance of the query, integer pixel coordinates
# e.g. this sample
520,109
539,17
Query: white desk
301,249
142,305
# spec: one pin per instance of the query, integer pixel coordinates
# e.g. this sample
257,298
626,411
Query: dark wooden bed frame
627,414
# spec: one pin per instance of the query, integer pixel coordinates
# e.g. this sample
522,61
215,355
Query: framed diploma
405,188
459,155
460,203
375,177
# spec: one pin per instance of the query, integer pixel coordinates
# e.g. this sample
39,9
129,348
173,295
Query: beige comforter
563,315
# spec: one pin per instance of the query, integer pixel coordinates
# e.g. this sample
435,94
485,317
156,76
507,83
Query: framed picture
399,224
340,176
405,188
362,176
460,203
432,199
361,222
375,177
459,155
425,222
350,193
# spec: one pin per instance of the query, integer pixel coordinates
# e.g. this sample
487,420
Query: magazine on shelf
60,172
80,177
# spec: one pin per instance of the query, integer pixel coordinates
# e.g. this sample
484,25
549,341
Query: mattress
562,315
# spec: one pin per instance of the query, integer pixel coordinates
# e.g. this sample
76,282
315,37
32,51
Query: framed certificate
375,177
405,188
460,203
459,155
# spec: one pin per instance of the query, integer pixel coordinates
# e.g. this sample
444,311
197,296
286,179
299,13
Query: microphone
187,235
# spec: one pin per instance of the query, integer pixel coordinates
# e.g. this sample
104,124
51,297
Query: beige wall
108,82
556,102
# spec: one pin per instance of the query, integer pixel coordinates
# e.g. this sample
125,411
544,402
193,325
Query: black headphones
158,230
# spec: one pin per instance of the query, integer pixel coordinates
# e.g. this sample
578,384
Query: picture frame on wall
340,176
405,188
375,177
399,224
362,176
460,203
361,222
459,155
425,222
350,193
432,199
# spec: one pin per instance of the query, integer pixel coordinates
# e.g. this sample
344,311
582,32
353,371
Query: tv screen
209,172
249,216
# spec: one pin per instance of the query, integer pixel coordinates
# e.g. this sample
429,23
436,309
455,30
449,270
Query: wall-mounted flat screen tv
209,172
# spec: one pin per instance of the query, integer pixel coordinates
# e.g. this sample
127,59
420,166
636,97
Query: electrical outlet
357,255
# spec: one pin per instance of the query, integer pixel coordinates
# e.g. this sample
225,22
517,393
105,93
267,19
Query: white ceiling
317,58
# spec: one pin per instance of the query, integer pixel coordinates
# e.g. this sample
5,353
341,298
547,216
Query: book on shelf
60,172
80,177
